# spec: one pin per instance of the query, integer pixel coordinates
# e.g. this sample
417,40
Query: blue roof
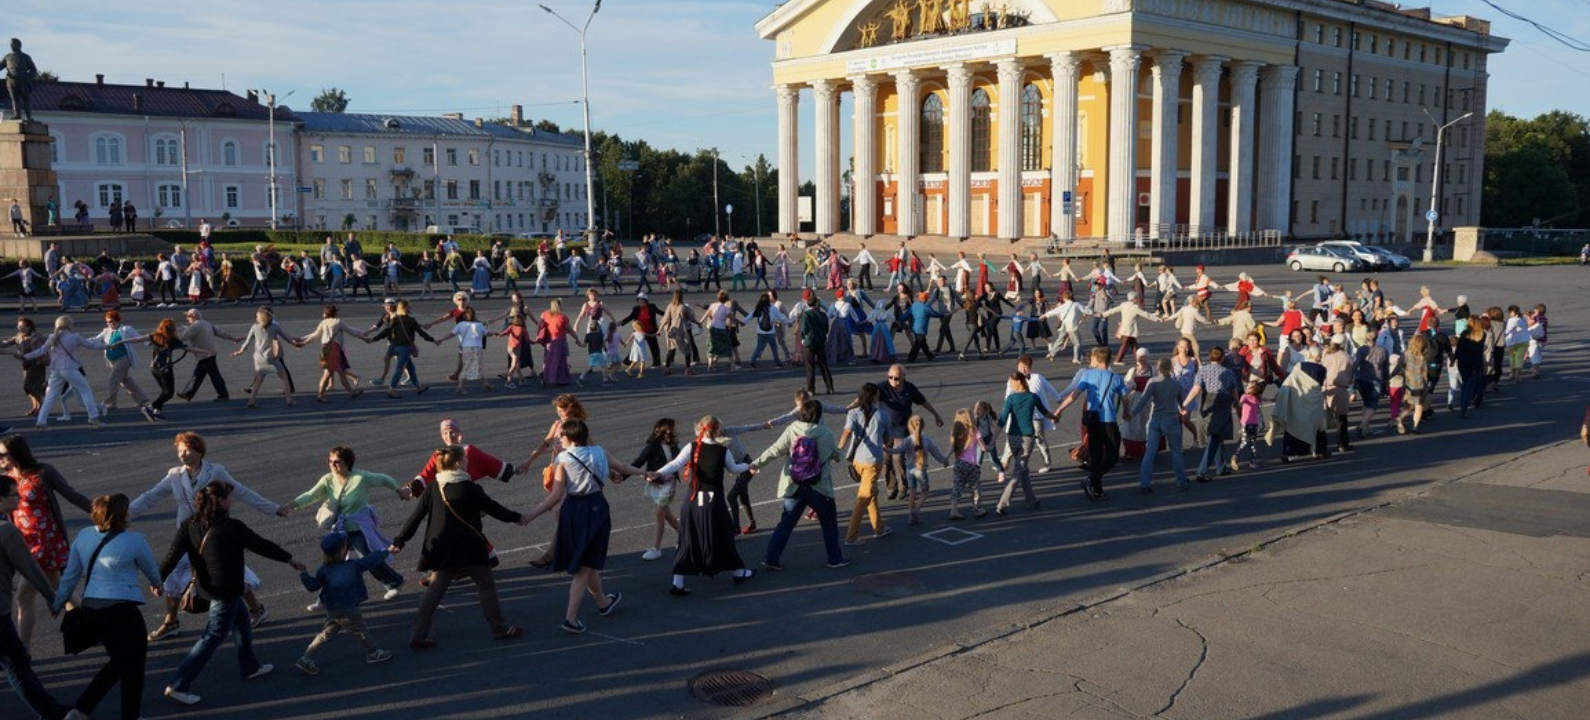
356,123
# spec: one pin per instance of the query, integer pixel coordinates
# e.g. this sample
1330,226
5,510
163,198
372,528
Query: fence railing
1169,238
1536,241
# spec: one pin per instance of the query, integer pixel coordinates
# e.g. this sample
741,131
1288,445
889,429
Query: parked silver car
1355,249
1393,260
1322,258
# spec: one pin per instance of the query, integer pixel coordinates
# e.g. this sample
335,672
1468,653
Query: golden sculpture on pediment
869,34
900,17
960,15
930,16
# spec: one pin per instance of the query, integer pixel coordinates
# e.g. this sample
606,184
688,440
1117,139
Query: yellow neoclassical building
1109,118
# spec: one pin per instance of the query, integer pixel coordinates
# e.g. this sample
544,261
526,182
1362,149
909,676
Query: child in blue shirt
340,582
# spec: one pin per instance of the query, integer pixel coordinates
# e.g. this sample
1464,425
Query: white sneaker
182,697
651,554
391,593
261,672
315,607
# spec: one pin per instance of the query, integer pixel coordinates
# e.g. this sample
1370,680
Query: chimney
253,97
160,83
99,79
149,82
453,116
138,103
480,123
518,115
185,85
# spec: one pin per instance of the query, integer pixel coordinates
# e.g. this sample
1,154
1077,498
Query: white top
470,334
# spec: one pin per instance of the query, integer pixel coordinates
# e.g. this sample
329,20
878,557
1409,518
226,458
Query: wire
1568,42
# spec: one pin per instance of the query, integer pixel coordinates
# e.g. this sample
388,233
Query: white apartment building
406,173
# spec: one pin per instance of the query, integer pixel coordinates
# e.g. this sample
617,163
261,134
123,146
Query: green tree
1536,169
332,100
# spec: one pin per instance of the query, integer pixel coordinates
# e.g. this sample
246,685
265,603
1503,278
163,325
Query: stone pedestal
25,173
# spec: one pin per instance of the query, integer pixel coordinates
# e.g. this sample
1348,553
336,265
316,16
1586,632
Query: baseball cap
333,542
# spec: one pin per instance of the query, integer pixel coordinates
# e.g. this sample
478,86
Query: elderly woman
264,341
66,370
112,564
1299,413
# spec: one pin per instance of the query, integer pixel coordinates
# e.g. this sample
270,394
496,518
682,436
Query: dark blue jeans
404,363
382,572
226,617
18,667
794,507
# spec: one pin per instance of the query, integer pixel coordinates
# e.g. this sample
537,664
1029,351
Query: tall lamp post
1435,185
585,106
270,101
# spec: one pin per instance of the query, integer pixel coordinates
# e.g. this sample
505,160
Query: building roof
370,124
148,99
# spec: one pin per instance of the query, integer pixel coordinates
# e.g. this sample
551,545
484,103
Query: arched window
982,145
107,150
932,145
167,151
1031,128
229,153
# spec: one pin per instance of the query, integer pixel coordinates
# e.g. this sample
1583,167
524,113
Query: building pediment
845,25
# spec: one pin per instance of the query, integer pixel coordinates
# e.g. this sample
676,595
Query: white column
1278,88
1063,158
1205,141
1123,141
864,187
1010,148
1167,100
789,183
960,139
1239,172
907,203
825,96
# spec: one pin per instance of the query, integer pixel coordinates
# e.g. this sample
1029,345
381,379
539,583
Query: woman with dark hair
707,531
768,321
214,543
584,520
38,517
109,561
35,371
333,360
16,560
866,429
401,333
452,508
678,325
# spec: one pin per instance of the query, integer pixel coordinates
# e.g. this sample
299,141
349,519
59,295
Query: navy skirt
584,525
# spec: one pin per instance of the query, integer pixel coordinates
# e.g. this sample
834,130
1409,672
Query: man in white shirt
864,263
1042,423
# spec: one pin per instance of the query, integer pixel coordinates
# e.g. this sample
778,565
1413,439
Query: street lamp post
585,106
717,230
1435,185
270,101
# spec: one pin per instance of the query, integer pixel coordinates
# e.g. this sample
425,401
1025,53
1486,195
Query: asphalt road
807,628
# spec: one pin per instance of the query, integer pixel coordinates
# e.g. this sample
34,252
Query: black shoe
222,398
1145,490
1202,479
740,579
772,565
677,591
186,397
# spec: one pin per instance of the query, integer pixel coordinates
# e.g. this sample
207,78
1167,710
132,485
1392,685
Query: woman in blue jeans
214,543
819,495
400,333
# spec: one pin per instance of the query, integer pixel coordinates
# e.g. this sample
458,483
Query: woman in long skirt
882,345
840,350
555,335
781,269
706,530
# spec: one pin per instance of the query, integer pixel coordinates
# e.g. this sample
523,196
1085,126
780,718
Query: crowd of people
1293,376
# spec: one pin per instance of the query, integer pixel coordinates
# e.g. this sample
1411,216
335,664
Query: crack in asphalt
1203,655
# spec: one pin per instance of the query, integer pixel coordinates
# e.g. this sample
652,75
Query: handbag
191,602
491,550
77,633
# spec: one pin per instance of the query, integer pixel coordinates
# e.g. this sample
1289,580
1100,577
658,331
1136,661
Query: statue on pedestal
20,76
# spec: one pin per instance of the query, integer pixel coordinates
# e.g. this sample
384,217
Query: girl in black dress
706,531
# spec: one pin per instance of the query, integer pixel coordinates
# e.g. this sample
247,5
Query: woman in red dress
38,517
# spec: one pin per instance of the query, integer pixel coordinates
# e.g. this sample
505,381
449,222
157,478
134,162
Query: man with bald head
478,463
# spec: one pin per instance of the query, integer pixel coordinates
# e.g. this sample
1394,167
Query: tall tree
332,100
1536,170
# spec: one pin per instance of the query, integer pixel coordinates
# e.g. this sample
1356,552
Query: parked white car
1355,249
1322,258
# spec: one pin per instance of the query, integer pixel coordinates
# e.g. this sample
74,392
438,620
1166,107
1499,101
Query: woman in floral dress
38,517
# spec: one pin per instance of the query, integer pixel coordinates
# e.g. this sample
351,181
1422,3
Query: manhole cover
889,585
731,688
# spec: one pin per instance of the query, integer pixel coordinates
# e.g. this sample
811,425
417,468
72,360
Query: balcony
399,171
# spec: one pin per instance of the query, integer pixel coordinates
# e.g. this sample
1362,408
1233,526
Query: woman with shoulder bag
452,508
344,494
109,560
214,543
38,517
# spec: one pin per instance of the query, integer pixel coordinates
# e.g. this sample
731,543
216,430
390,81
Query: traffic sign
305,189
628,165
1432,215
729,209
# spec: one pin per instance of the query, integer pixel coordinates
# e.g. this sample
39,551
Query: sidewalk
1466,600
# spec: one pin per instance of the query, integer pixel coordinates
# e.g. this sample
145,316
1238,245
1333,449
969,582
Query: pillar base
25,173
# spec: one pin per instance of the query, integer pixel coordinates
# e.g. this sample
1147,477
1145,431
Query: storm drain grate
731,688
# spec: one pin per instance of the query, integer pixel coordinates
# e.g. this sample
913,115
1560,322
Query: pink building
178,154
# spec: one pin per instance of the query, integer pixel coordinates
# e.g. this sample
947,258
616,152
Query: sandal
543,562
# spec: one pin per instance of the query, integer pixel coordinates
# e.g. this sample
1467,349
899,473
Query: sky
682,74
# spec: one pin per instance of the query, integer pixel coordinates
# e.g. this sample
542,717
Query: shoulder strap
94,558
441,493
594,476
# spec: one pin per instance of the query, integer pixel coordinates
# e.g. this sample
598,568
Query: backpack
805,468
765,321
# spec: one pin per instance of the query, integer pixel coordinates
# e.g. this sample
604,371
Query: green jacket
827,449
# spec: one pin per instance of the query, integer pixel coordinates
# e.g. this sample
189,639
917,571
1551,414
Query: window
452,156
474,156
168,196
1421,93
344,154
981,141
1352,86
319,189
317,154
369,154
496,185
474,189
107,151
1352,169
399,156
167,151
430,156
1336,126
1315,124
1336,83
229,153
1319,81
1031,128
1385,170
1389,84
1371,128
1352,127
347,189
430,190
233,196
1315,174
452,189
1313,212
1463,174
1336,168
1297,167
369,188
1374,44
932,146
109,193
1373,83
1336,37
1460,205
1406,95
1319,34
